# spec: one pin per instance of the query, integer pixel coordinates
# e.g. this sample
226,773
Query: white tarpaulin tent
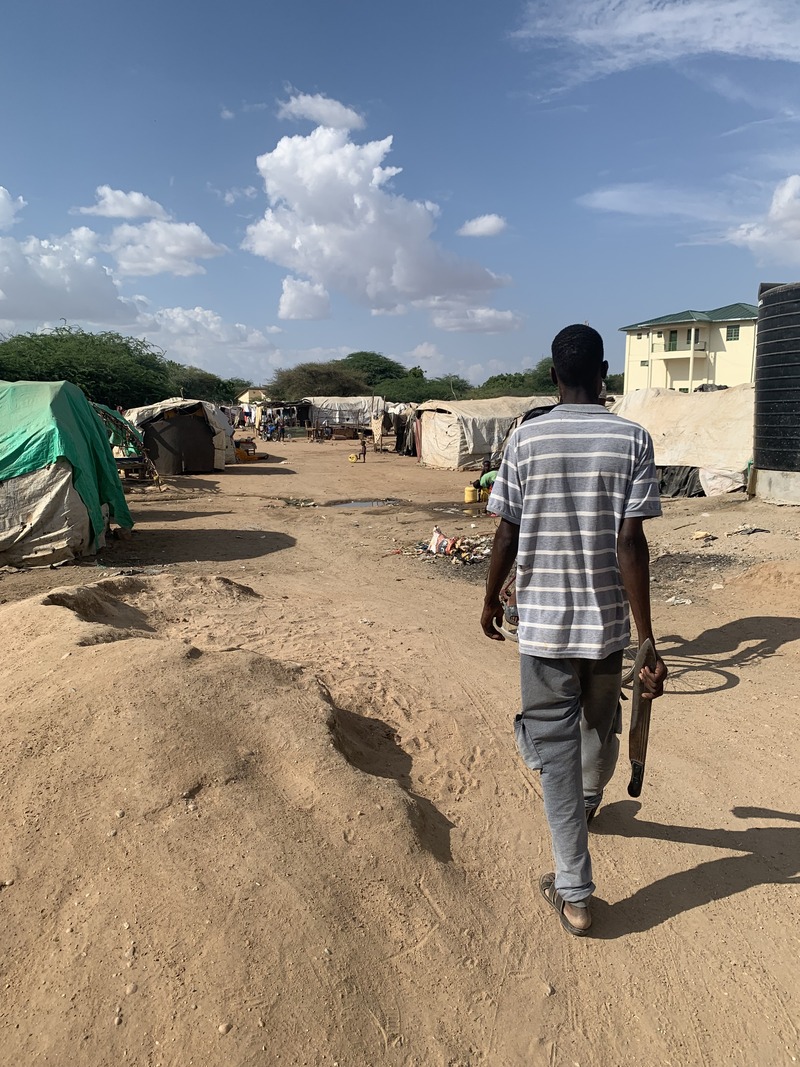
711,431
218,421
460,434
344,410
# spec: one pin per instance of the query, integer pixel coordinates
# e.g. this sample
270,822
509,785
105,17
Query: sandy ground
261,801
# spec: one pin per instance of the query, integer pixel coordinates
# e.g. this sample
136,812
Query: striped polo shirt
568,479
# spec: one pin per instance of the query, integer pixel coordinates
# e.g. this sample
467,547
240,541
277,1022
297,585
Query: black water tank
776,441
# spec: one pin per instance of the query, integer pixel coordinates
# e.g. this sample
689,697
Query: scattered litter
384,502
129,572
458,550
746,530
677,600
366,622
703,535
718,585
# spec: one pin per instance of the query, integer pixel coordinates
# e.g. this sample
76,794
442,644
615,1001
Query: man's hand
653,680
504,552
492,613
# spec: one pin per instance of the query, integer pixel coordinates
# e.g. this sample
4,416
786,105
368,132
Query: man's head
578,361
486,466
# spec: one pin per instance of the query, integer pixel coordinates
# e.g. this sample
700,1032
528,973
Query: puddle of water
386,503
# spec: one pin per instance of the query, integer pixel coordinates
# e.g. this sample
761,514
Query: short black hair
577,355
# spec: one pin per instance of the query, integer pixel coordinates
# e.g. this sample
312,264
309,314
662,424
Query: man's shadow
772,857
704,664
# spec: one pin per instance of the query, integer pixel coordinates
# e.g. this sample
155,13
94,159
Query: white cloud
425,350
607,36
59,278
202,338
332,220
776,237
657,200
116,204
227,114
9,208
438,365
158,247
230,196
303,300
234,194
772,238
476,320
321,110
483,226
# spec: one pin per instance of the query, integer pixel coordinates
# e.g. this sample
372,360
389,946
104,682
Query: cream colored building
692,348
252,396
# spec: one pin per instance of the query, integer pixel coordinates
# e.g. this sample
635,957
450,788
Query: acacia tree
196,384
414,387
615,383
373,367
316,379
110,369
534,382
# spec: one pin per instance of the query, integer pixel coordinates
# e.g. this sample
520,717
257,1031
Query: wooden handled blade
640,719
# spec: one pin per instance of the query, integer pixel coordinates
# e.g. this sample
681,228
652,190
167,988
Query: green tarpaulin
41,422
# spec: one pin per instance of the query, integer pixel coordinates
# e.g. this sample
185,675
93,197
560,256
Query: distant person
363,449
572,493
487,478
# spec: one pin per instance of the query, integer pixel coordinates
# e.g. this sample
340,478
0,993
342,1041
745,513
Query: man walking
572,492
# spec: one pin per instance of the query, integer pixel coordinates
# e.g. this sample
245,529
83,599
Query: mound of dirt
777,579
205,859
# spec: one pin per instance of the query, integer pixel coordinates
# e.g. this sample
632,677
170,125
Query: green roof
729,313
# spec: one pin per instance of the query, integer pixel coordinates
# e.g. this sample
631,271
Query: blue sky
250,185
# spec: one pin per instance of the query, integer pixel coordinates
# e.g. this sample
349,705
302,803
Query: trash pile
458,550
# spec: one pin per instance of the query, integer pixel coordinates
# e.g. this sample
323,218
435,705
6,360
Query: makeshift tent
122,435
393,424
356,411
709,431
460,434
59,485
185,436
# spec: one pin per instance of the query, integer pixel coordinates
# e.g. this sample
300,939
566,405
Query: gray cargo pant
567,730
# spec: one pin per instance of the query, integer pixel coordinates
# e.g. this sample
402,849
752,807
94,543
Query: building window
639,336
672,344
688,337
732,333
644,362
659,334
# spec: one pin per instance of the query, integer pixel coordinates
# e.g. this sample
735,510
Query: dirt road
262,802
